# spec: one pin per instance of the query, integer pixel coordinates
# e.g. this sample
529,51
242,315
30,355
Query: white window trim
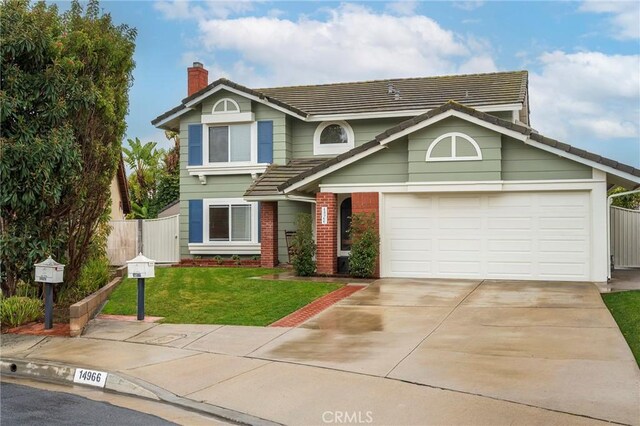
227,247
332,149
454,156
226,106
229,164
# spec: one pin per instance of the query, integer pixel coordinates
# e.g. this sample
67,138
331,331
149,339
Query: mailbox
49,271
141,267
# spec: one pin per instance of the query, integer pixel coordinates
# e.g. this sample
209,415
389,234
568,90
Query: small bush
18,310
94,275
365,245
218,260
237,259
304,248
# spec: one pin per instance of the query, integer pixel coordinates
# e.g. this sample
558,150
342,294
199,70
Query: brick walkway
301,315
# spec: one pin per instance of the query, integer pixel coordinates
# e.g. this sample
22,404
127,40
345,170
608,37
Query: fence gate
625,237
122,244
160,239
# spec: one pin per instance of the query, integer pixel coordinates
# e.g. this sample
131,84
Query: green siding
207,104
281,153
523,162
488,168
386,166
505,115
287,213
364,131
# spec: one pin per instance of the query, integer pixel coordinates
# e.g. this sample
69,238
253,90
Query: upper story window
454,146
225,105
333,137
233,143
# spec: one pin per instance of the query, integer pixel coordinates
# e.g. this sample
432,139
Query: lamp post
49,272
141,267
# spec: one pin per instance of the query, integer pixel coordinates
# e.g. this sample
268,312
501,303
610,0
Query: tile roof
451,105
413,93
267,184
374,96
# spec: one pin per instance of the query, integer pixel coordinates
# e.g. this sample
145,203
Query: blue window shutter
265,141
195,144
195,221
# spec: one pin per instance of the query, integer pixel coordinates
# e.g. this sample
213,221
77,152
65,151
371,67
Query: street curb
119,383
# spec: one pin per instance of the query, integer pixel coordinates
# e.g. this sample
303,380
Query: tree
630,201
63,100
145,163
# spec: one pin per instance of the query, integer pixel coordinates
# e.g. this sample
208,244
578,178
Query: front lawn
625,308
216,296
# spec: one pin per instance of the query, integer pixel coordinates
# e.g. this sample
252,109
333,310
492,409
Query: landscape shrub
303,247
93,275
18,310
365,245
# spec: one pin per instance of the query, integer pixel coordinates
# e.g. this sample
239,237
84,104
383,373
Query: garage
500,235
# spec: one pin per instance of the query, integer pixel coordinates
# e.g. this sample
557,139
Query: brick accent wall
368,202
326,235
268,234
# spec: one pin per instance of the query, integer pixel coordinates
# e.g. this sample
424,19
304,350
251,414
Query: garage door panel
510,246
499,235
462,268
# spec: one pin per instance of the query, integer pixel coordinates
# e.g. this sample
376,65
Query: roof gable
451,108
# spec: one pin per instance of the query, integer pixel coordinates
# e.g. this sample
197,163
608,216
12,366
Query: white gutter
609,202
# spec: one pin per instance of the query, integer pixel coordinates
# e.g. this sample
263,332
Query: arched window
225,105
333,137
454,146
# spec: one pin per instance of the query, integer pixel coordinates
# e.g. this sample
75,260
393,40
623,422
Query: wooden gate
625,237
122,244
160,239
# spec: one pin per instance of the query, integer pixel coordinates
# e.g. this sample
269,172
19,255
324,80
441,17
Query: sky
583,57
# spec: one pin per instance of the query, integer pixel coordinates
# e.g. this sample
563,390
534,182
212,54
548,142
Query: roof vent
391,90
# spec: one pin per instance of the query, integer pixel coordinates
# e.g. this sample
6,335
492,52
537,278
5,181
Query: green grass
625,308
216,296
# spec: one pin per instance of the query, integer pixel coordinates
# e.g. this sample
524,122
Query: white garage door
523,235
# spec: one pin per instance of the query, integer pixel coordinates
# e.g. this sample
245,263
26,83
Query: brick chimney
197,78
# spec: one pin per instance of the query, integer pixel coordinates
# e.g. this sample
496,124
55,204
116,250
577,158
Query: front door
344,223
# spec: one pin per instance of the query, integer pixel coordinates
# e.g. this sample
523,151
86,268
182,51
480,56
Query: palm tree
145,162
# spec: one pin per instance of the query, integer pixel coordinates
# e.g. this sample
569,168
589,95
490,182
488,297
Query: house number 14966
90,377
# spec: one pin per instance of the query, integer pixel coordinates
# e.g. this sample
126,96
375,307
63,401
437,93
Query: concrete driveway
549,345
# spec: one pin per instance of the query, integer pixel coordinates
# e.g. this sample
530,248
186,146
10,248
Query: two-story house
461,185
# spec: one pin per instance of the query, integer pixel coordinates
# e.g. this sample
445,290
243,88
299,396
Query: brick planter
224,263
81,312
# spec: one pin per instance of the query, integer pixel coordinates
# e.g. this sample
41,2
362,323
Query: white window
225,105
454,146
333,137
230,221
233,144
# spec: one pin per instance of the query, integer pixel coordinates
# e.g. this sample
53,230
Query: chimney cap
198,65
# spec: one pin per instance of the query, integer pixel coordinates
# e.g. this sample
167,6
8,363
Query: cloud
184,9
352,43
586,96
468,5
624,16
402,8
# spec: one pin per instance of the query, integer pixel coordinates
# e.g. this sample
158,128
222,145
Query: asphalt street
23,405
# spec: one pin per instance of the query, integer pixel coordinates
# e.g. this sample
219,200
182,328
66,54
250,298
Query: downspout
609,202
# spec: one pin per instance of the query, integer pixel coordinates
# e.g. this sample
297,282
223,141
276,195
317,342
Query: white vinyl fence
160,240
625,237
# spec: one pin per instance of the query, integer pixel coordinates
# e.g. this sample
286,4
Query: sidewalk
208,368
